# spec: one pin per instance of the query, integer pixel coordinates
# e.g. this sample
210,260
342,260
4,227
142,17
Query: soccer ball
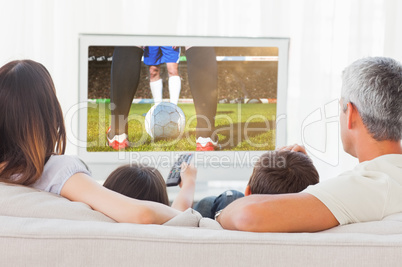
165,121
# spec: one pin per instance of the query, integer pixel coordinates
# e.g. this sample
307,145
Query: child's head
279,172
31,121
139,182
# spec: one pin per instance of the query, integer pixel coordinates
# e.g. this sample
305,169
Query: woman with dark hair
33,141
31,122
146,183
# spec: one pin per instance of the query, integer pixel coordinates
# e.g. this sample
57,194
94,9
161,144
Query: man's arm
82,188
300,212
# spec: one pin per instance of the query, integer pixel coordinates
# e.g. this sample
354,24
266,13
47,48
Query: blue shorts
156,55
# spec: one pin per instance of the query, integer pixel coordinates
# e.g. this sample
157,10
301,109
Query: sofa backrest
23,201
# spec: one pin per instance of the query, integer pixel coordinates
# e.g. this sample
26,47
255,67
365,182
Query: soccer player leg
174,82
152,58
125,75
156,84
203,80
171,56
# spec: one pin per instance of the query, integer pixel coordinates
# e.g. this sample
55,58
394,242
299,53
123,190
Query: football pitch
239,127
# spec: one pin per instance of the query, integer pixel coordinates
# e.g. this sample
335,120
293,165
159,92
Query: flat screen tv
230,89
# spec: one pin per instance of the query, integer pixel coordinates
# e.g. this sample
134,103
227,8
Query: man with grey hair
371,130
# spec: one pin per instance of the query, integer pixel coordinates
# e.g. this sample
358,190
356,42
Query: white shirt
371,191
58,169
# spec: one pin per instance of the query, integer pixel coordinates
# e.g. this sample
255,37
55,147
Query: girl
146,183
33,141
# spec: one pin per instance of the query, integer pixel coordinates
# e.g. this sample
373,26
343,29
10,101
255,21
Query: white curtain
326,35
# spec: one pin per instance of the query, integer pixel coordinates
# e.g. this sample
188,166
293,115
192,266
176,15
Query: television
249,110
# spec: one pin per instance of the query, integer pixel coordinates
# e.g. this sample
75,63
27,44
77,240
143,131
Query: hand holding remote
174,177
185,197
188,175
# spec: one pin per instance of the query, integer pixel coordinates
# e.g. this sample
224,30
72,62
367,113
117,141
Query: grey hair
374,86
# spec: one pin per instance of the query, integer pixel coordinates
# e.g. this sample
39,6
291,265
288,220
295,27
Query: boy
276,172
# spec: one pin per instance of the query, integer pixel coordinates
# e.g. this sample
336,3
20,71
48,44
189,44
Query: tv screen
222,98
246,96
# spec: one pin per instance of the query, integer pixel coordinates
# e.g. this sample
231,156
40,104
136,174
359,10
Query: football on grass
165,121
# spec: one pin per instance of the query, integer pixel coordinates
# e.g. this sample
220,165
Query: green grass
239,127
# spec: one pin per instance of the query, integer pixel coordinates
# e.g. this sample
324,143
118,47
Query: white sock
156,90
174,89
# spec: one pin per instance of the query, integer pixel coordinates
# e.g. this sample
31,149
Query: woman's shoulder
58,169
64,160
66,165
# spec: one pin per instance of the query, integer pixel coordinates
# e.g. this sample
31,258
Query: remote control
174,174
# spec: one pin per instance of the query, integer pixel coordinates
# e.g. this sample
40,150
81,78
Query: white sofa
43,229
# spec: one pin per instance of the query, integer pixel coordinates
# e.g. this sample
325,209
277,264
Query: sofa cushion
188,218
23,201
391,224
209,224
50,242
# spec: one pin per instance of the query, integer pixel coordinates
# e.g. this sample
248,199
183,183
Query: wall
326,35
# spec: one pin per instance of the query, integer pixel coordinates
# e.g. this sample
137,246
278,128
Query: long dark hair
31,121
139,182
